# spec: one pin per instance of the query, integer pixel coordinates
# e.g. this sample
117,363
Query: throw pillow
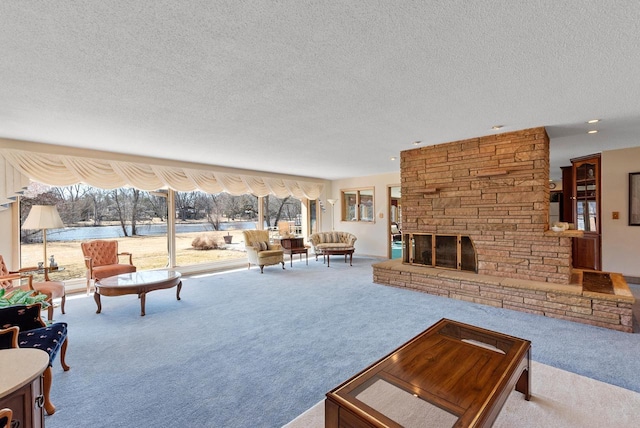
263,246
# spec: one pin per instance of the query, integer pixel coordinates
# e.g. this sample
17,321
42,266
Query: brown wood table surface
139,283
293,246
460,374
346,251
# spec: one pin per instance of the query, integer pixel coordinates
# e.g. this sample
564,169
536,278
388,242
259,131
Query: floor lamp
43,217
332,202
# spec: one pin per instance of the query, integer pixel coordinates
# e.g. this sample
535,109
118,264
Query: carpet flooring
559,399
243,349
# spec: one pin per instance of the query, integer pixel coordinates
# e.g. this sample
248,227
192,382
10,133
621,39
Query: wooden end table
452,374
293,246
139,283
346,251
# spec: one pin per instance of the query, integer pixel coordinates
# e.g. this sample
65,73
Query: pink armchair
102,260
53,289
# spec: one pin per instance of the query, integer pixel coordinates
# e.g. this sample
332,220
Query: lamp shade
43,217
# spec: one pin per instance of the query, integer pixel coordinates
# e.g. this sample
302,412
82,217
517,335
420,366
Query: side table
293,246
21,385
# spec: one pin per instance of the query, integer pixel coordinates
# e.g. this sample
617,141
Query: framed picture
634,199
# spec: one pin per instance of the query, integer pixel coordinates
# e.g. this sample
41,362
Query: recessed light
496,127
593,121
593,131
415,143
393,158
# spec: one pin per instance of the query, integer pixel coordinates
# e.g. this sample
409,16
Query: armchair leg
64,299
46,384
63,354
282,265
261,268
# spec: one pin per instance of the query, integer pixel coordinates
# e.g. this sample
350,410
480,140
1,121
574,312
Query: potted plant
22,297
228,238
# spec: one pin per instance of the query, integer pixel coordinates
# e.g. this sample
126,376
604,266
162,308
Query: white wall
9,238
372,237
620,242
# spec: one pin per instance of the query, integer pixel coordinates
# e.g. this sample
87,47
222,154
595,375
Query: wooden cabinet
583,191
21,385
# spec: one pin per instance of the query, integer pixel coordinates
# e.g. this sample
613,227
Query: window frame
354,200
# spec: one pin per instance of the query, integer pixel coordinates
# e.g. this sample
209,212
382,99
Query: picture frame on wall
634,199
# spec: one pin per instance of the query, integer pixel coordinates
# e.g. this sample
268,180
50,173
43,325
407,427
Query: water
110,232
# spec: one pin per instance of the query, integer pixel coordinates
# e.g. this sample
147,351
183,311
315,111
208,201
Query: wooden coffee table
452,374
346,251
139,283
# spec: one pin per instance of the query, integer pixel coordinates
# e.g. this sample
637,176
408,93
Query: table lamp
43,217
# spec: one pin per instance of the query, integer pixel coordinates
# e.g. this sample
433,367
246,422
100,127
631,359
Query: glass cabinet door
586,197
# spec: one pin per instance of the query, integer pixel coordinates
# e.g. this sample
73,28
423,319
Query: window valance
65,170
12,183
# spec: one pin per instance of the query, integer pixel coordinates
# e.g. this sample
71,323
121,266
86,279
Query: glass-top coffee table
139,283
451,375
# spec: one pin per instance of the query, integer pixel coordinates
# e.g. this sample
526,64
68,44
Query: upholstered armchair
102,260
396,234
259,251
20,279
22,327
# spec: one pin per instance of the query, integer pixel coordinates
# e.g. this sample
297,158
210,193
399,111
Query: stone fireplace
490,197
495,190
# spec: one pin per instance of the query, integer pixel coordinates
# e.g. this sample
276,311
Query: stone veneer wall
494,189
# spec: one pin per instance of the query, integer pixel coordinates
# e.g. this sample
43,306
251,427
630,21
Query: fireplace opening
440,251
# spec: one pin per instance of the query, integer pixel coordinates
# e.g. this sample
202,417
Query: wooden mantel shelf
426,190
492,172
567,233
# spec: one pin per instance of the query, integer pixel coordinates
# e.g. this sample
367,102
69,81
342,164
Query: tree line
82,205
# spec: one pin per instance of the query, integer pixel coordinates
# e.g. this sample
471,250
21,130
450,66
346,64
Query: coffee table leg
178,291
350,259
328,258
143,298
96,297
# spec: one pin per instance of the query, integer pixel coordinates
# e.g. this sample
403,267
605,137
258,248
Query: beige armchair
101,258
259,251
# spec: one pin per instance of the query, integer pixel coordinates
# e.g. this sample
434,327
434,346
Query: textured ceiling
326,89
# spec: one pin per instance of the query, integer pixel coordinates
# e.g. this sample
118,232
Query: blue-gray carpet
248,350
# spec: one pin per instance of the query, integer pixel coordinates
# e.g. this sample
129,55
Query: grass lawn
149,252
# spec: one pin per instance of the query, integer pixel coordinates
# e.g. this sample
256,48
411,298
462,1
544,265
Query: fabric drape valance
65,170
12,183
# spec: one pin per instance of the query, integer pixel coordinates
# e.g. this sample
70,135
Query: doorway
395,222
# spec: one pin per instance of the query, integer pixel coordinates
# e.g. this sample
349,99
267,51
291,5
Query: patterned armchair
259,251
103,260
52,289
22,327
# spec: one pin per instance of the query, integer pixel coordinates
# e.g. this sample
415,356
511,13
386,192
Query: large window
136,219
208,226
358,205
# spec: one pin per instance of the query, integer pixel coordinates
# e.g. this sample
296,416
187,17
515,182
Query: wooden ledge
567,233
